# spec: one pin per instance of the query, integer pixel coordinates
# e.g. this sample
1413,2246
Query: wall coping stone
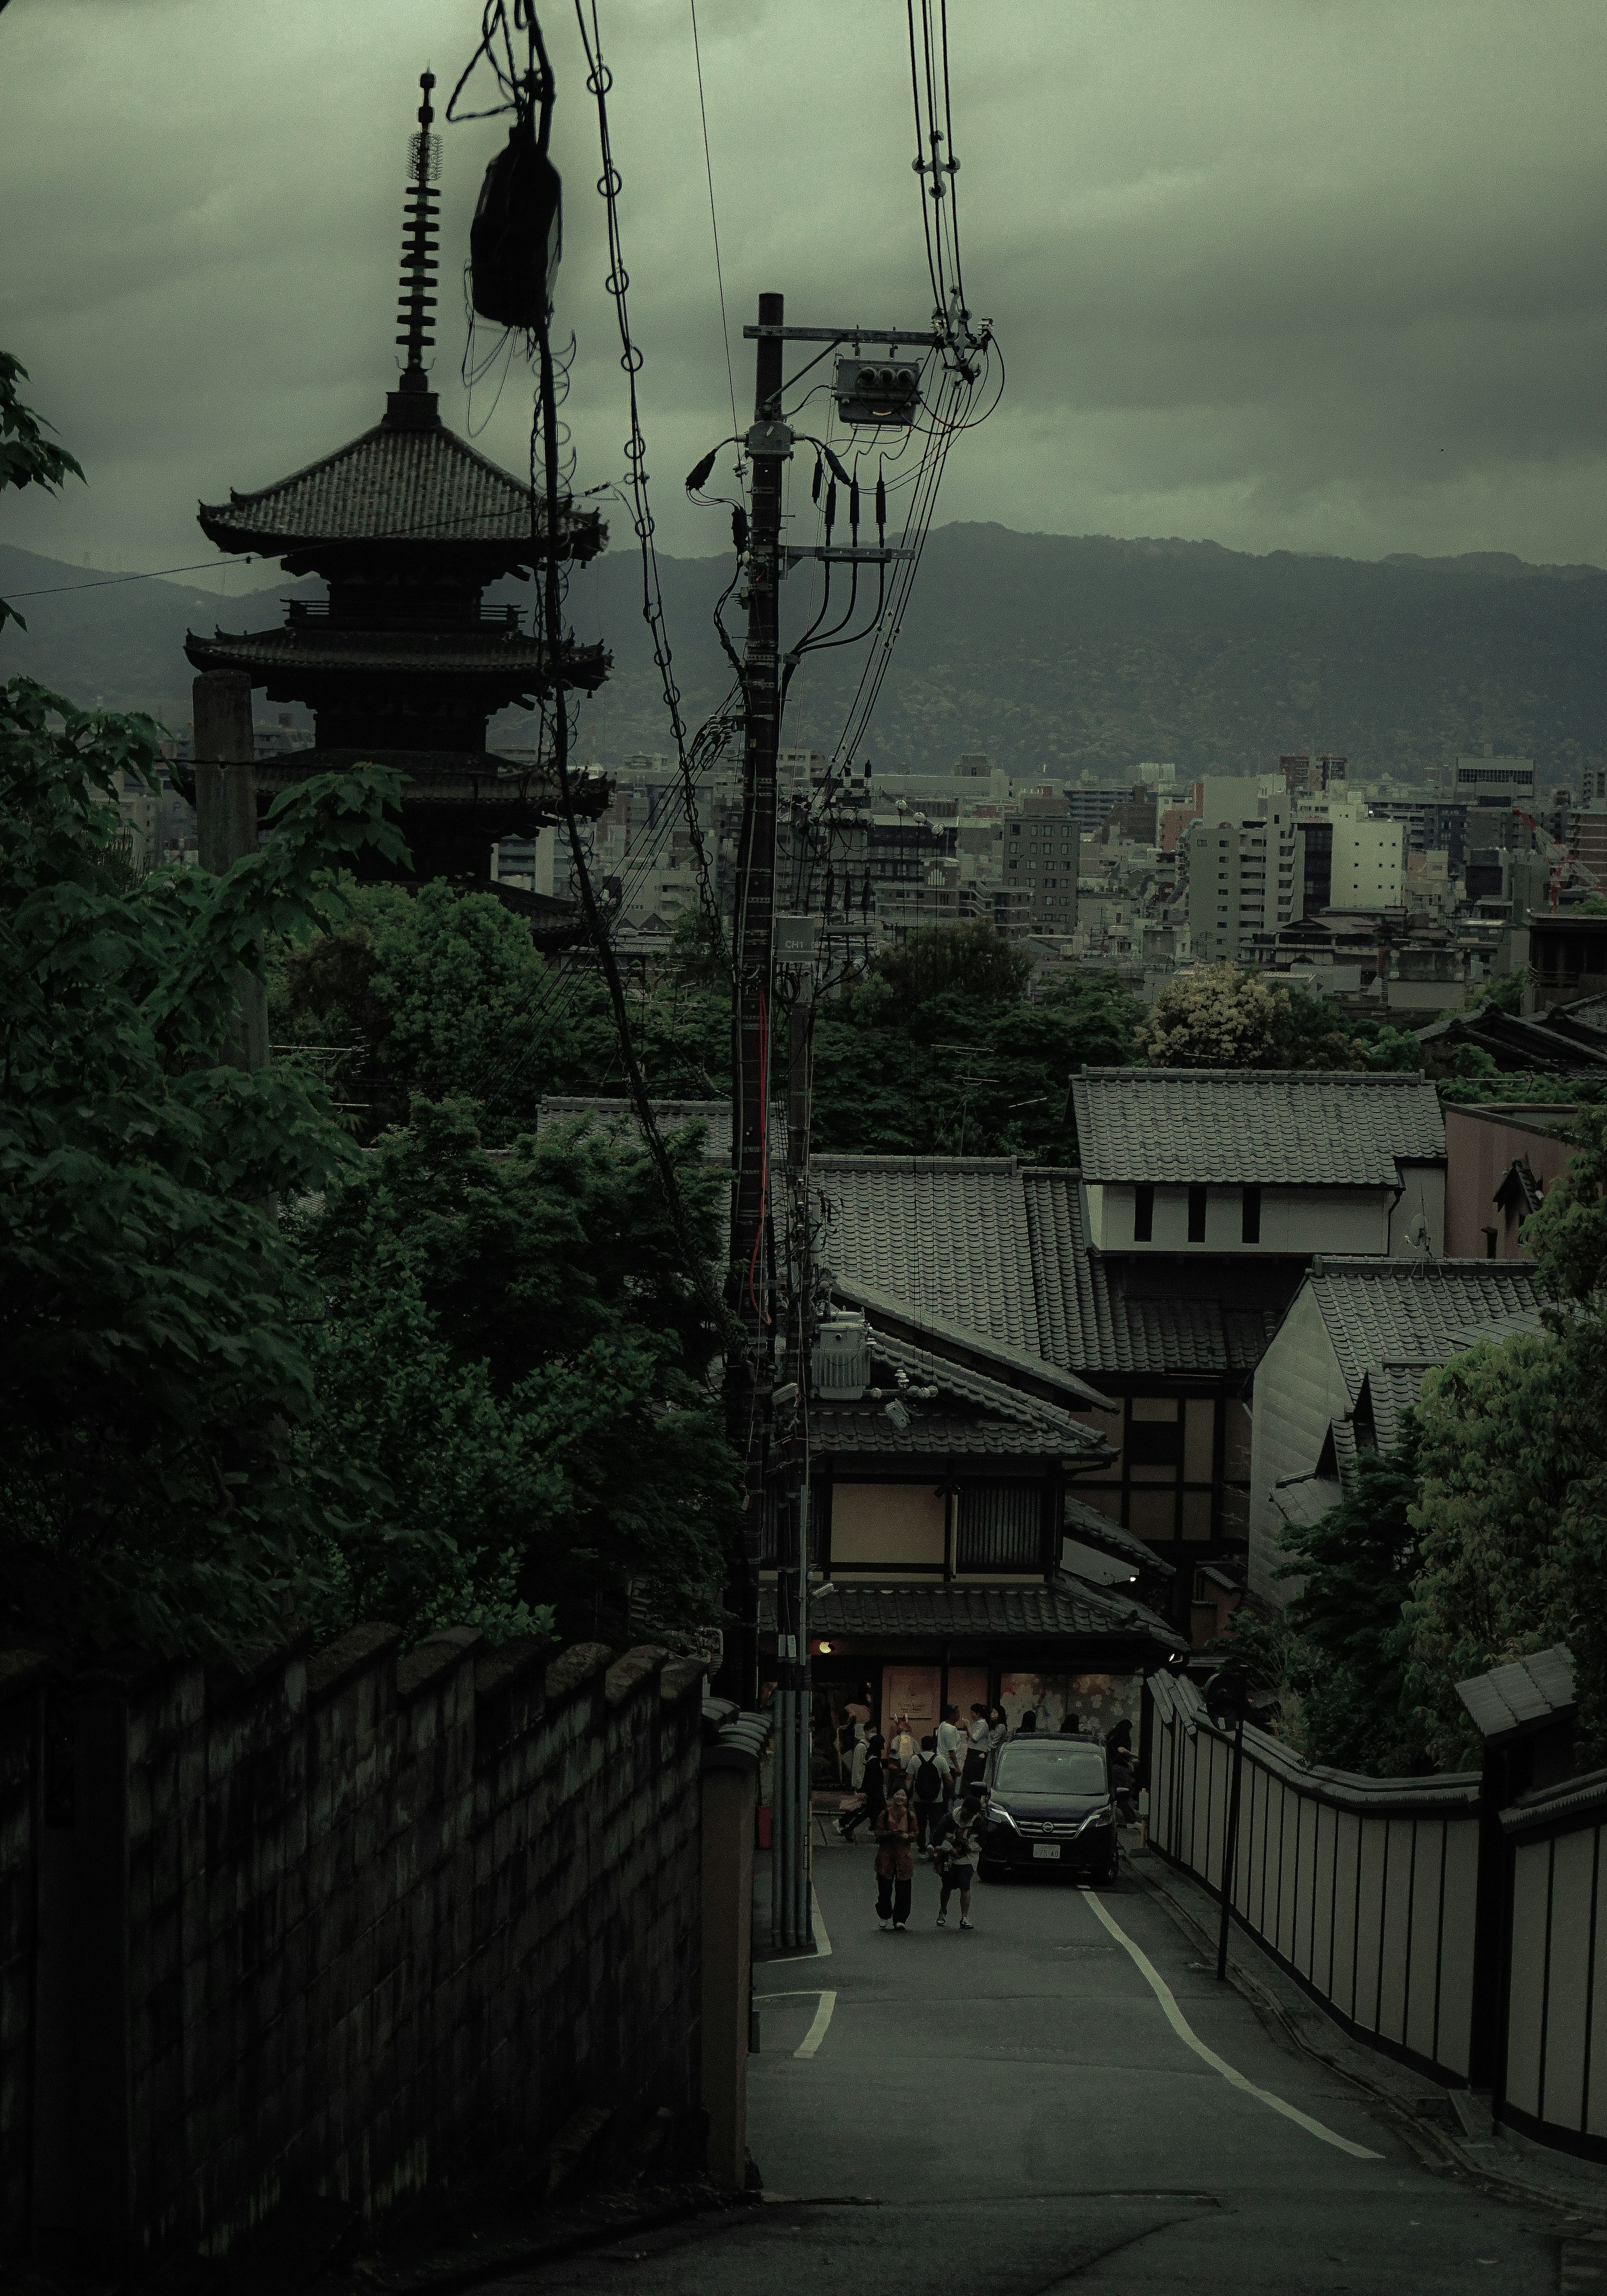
679,1676
509,1664
230,1684
574,1667
634,1667
345,1658
436,1655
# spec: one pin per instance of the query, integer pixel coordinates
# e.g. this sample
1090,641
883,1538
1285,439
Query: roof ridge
1397,1077
1381,1265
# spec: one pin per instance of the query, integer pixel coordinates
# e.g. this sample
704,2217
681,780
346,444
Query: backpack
928,1781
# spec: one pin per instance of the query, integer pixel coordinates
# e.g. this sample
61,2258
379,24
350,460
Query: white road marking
817,2033
1185,2032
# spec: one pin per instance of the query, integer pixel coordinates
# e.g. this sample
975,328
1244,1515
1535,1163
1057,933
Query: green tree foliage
517,1339
962,1069
28,458
150,1356
1346,1660
433,990
970,960
1222,1016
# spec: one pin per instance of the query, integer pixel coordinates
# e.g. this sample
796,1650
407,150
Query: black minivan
1049,1806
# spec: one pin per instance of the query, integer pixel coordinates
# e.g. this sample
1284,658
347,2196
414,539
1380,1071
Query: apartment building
1245,877
1041,851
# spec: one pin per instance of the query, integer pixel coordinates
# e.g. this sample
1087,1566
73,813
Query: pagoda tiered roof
405,481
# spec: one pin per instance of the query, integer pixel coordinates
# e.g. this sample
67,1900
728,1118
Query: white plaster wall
1299,1388
1425,1193
1293,1220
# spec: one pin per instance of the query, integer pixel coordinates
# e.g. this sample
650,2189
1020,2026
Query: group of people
927,1799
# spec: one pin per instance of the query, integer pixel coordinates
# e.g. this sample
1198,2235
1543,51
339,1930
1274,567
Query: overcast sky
1314,275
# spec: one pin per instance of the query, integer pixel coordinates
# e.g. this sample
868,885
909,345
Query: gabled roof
413,484
1414,1312
1238,1128
971,1416
989,1246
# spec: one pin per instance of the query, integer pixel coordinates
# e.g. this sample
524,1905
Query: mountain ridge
1053,653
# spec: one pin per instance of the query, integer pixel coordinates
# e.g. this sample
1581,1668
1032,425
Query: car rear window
1059,1766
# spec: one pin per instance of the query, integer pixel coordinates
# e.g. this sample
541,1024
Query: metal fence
1551,2080
1365,1889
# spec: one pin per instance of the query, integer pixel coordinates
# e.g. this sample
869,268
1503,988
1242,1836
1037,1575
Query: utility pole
750,1377
873,393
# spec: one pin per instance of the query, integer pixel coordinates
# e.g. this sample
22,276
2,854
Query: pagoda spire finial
412,405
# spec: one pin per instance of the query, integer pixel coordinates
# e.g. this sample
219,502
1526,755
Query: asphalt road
1013,2112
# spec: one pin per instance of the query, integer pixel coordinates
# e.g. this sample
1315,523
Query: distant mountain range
1060,653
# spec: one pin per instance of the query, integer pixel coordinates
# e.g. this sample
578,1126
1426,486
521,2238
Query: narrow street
1011,2112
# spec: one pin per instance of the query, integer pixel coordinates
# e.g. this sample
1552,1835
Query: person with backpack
870,1779
954,1859
927,1777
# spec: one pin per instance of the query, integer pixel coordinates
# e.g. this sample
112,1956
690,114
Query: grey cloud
1285,276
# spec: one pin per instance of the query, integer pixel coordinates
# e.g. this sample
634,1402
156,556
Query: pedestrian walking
926,1775
894,1860
951,1752
998,1727
869,1781
976,1751
1120,1762
954,1860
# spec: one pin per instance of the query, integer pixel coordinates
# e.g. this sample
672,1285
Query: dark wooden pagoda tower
403,665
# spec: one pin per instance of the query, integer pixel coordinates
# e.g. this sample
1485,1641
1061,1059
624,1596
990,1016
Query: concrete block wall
381,1916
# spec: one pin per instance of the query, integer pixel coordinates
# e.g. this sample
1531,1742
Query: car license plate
1046,1849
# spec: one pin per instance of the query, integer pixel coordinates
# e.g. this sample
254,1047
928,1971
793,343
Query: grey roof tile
1090,1528
424,485
1398,1311
1235,1128
1063,1608
1532,1690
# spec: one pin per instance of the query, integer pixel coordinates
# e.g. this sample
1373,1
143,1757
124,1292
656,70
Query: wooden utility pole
226,826
750,1375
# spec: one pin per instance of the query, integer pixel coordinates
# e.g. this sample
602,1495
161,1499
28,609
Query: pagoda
402,664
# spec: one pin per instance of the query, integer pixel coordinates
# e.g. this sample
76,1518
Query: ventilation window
1196,1215
1250,1216
1144,1213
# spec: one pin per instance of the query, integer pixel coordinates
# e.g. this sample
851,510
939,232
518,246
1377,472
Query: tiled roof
988,1243
1235,1128
1398,1311
490,651
889,1309
411,485
1529,1692
1091,1323
1002,1422
860,1427
1060,1609
1090,1528
944,1232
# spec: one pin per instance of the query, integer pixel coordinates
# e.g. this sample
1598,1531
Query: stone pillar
730,1804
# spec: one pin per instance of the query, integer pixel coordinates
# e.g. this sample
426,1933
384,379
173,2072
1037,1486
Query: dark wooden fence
336,1928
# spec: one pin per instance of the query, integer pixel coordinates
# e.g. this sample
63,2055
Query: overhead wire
714,225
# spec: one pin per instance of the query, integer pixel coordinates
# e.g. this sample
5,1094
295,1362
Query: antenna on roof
420,244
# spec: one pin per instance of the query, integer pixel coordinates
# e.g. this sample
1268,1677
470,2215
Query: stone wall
340,1926
21,1783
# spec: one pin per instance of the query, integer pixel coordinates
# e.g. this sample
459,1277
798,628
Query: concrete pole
226,826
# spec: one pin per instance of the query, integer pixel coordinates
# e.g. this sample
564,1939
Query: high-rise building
1041,855
1368,866
1489,780
1245,877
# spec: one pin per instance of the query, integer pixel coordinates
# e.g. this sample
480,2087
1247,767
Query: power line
715,223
